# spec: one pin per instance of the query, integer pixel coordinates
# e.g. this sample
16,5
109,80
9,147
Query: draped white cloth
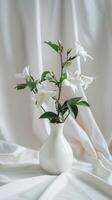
24,26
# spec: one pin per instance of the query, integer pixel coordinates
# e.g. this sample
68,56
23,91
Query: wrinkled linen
25,25
21,177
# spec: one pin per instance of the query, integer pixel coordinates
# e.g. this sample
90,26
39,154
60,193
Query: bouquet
41,95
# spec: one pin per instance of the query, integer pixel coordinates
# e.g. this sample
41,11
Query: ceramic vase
56,155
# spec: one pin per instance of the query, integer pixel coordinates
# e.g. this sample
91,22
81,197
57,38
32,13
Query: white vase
56,155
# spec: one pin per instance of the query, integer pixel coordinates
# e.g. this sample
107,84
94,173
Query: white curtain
24,25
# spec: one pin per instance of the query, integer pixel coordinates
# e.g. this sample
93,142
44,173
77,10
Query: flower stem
60,85
43,108
66,116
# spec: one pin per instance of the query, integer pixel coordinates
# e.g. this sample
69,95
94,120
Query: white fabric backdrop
25,25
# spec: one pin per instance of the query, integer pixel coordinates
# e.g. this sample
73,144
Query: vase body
56,155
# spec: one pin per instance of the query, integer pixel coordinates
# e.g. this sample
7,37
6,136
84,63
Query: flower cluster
77,79
41,96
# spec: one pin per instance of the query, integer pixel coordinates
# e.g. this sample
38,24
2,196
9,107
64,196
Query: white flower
77,79
73,79
43,96
86,80
25,73
80,51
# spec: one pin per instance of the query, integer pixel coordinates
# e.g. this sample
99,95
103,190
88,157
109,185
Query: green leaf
47,75
53,46
72,58
59,42
57,83
21,86
31,85
64,108
48,115
31,78
44,74
63,77
74,109
74,101
54,120
68,51
67,64
60,46
83,103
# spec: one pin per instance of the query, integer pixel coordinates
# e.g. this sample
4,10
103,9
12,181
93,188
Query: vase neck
56,129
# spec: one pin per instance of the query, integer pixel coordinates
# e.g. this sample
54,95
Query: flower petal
86,80
80,51
25,73
77,79
42,96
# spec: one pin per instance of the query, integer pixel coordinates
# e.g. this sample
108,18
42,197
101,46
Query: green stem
60,85
69,59
43,108
66,116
